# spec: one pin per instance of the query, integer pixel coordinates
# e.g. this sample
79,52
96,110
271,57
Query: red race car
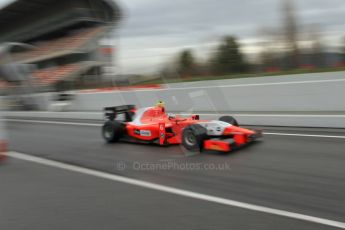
154,125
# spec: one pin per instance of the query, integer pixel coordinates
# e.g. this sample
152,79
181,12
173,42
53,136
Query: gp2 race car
154,125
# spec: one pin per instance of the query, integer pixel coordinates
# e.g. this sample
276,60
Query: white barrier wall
324,93
314,100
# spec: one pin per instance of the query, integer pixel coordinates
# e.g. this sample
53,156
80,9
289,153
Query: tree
228,58
270,42
291,32
186,63
317,47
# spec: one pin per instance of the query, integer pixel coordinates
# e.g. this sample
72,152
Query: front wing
230,144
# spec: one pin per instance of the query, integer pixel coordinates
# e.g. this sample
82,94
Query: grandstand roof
19,7
24,20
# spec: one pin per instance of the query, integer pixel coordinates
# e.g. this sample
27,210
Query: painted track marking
176,191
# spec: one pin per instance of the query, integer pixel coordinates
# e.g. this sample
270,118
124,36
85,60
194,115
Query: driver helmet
160,104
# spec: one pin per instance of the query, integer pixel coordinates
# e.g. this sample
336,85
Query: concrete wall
315,100
306,94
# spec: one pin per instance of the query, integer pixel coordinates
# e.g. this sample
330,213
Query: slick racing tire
229,119
112,131
193,138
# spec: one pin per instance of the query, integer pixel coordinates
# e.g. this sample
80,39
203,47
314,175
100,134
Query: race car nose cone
238,130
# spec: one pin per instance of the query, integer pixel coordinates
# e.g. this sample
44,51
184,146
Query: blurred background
63,46
275,65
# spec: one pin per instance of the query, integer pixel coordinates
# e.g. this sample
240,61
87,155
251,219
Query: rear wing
128,110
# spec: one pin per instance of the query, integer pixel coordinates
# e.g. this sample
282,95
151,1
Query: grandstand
64,37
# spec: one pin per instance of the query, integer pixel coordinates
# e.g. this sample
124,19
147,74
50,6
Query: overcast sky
153,31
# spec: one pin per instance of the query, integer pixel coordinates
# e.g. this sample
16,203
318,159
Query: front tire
193,138
112,131
229,119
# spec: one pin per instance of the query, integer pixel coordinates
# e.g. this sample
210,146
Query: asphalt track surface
301,174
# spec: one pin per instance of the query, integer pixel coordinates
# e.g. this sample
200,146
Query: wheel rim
190,139
108,132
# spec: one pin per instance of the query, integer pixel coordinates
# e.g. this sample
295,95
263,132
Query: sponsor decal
145,133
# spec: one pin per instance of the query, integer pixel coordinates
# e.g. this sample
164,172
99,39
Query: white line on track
99,115
99,125
176,191
273,115
304,135
53,122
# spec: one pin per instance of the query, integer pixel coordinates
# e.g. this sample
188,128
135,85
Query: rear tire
112,131
193,138
229,119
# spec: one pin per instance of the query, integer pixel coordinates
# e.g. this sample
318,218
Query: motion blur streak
99,125
176,191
